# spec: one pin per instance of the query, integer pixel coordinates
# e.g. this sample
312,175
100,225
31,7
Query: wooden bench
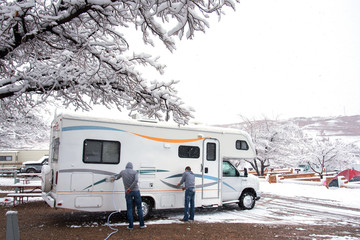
19,197
37,190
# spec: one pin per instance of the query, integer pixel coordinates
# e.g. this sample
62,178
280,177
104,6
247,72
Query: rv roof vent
135,116
140,118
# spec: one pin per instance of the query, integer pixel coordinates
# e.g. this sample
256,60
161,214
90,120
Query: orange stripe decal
170,140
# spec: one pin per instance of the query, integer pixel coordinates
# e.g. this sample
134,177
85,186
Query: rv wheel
146,208
247,201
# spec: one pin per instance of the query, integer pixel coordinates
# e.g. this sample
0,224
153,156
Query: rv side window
99,151
189,152
211,151
241,145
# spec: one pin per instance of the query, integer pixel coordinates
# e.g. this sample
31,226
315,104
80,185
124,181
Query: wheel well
151,200
250,190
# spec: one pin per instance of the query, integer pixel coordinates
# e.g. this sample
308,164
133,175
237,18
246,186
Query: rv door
210,169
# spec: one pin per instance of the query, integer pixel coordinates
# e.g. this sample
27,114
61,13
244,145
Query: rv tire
247,200
147,205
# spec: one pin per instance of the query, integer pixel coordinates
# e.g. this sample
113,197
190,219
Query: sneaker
143,226
129,228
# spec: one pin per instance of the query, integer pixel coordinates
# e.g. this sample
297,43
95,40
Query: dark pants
189,199
134,196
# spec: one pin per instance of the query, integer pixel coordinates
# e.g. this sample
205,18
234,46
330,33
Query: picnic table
26,185
8,171
28,176
25,190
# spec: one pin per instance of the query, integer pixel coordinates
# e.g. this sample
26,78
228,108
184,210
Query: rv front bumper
48,199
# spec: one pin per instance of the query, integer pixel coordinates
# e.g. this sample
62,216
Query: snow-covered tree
276,143
325,155
284,144
18,131
75,51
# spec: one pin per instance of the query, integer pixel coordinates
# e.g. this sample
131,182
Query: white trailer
85,152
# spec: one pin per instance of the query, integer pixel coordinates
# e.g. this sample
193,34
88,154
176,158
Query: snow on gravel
343,196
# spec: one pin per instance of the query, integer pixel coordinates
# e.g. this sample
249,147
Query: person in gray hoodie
132,193
189,179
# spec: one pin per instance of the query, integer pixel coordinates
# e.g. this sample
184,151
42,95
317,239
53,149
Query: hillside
346,128
342,126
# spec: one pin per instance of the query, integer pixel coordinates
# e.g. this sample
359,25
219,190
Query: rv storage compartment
88,202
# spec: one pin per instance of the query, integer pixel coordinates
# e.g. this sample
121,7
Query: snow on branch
74,51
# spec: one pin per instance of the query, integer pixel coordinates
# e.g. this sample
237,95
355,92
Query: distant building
17,157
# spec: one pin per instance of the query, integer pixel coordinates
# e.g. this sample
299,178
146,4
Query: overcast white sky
278,58
273,58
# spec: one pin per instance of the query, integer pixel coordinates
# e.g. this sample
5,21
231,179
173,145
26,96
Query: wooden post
12,226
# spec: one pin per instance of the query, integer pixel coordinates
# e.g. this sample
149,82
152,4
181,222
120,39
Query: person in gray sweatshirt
132,193
188,178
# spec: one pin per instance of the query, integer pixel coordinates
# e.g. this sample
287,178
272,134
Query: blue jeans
134,196
189,198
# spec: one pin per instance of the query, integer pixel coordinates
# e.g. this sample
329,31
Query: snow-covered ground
287,203
342,196
5,181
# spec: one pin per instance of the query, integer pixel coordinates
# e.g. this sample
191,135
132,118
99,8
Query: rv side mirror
245,172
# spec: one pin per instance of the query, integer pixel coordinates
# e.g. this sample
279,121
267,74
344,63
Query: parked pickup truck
34,166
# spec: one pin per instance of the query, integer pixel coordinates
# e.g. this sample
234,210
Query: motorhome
85,152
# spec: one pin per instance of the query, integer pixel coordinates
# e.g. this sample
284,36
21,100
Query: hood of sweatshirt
129,165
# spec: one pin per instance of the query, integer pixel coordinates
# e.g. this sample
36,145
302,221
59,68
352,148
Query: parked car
302,168
34,166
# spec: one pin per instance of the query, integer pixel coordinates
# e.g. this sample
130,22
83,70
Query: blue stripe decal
77,128
196,175
171,185
98,182
229,186
206,177
150,171
175,176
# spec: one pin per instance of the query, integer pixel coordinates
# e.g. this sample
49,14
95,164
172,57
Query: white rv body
85,152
